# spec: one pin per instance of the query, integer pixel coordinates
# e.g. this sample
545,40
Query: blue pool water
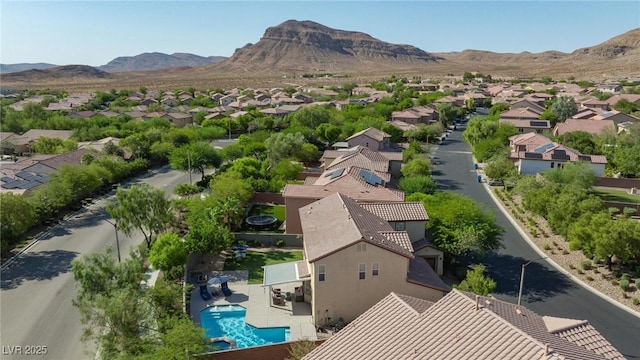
229,321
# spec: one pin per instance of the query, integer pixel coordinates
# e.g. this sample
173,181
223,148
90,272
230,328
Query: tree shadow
540,280
447,184
43,265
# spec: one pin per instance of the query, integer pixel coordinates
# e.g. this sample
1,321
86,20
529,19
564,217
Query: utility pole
522,277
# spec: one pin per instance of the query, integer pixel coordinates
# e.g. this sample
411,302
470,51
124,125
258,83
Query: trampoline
261,220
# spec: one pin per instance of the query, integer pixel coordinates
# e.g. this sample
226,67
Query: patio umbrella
215,281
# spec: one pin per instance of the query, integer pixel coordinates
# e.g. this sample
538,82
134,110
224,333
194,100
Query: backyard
265,209
617,195
255,260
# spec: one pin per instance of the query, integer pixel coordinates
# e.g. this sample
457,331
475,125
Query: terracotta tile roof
552,150
372,133
361,157
584,335
422,243
421,273
398,211
35,134
529,140
336,222
392,155
589,126
310,180
528,124
521,113
452,328
71,158
403,125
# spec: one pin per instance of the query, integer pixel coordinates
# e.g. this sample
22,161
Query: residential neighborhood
331,214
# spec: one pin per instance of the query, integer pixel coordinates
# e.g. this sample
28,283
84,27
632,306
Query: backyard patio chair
225,289
278,299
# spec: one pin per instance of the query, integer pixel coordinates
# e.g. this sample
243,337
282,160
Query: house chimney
477,302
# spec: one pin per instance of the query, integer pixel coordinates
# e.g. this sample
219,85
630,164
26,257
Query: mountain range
303,47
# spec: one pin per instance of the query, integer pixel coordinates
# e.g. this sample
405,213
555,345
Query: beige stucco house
371,138
355,259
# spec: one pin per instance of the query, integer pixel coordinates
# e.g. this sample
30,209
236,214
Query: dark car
493,182
204,292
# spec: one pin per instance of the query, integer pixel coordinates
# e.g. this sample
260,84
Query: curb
553,263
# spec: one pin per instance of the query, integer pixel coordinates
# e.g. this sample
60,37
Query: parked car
204,292
493,182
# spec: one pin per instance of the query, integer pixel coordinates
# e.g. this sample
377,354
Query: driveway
546,291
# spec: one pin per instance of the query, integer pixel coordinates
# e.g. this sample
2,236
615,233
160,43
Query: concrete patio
257,300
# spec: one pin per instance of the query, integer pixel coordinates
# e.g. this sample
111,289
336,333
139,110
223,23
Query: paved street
546,291
37,288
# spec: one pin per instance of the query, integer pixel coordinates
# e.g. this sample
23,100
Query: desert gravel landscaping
574,262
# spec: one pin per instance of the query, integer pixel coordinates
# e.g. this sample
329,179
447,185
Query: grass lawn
255,260
617,195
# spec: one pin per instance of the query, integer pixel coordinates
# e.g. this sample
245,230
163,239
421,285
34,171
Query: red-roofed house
553,155
595,127
371,138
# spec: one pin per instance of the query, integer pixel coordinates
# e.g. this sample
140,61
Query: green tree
329,133
627,160
579,140
447,113
625,106
195,157
182,340
459,226
564,108
500,169
16,217
142,207
418,184
577,174
418,166
476,282
231,185
498,108
168,251
283,145
106,291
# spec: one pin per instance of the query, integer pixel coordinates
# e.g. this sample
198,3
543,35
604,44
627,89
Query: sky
95,32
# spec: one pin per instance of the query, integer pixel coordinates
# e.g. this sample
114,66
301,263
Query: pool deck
257,300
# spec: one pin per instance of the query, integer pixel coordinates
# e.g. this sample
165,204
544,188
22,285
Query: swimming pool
229,321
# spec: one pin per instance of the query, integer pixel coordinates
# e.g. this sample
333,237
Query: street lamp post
115,227
522,277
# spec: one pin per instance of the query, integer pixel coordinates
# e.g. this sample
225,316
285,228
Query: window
399,226
375,269
520,130
321,272
552,163
361,247
362,271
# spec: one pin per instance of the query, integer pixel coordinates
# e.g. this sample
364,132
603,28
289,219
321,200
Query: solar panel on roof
543,148
334,174
584,157
530,155
538,123
25,175
370,178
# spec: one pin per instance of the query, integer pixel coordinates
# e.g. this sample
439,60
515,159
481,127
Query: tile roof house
358,183
462,326
616,116
416,115
19,182
591,126
21,144
371,138
355,258
362,157
526,126
527,103
526,113
634,98
535,160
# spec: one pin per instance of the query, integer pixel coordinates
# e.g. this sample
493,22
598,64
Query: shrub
586,265
636,301
279,243
625,295
638,283
546,247
614,282
580,272
572,267
624,284
595,270
254,243
186,189
565,252
625,276
589,278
